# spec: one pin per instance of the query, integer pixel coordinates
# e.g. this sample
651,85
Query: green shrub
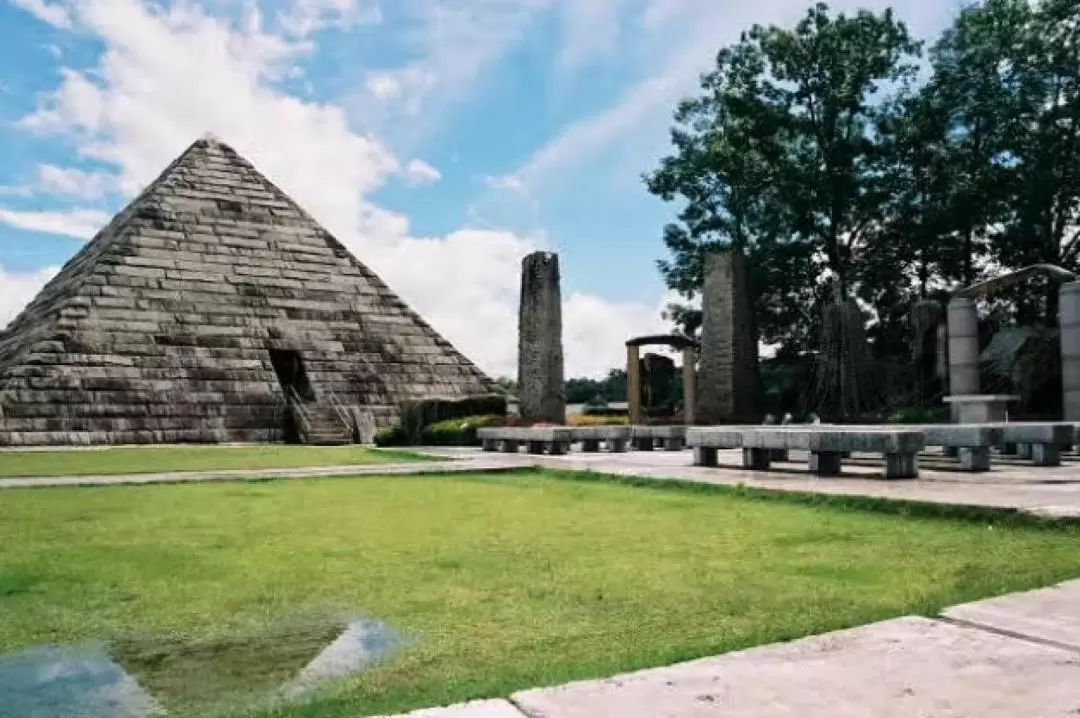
416,415
458,432
391,436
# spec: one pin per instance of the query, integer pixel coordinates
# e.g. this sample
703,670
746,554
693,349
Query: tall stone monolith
541,389
1069,322
727,368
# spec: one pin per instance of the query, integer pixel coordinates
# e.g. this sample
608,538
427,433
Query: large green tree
781,157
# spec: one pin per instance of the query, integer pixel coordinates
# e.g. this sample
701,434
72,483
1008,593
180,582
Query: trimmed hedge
458,432
417,415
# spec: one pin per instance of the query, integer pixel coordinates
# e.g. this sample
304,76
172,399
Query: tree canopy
843,155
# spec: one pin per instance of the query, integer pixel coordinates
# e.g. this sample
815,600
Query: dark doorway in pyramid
160,329
289,368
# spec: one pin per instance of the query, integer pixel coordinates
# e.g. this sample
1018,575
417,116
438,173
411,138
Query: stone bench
1039,441
615,437
537,439
826,444
970,443
646,438
552,439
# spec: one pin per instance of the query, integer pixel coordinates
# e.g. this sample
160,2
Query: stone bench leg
974,458
616,446
705,456
1023,451
536,447
676,443
509,446
756,459
590,446
901,466
1046,455
825,463
643,444
490,444
559,448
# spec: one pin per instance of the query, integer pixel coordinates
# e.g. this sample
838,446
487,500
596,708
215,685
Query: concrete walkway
1013,656
1012,484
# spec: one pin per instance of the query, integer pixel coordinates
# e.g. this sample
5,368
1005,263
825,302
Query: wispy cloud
54,14
78,223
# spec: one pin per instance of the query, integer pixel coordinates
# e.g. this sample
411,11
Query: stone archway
679,342
963,333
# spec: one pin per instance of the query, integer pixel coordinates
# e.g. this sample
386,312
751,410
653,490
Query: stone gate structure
199,308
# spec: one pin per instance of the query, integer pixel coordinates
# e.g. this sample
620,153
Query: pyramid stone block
160,329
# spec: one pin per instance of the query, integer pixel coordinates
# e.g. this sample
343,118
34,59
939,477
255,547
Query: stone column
689,377
727,377
541,387
1069,322
633,383
963,347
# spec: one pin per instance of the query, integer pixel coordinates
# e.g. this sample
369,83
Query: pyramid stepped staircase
319,424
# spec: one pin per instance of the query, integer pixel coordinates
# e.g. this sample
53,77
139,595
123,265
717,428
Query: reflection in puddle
152,677
80,682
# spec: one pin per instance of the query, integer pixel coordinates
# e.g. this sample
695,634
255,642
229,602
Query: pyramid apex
211,138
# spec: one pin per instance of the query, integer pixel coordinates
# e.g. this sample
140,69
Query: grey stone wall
159,329
727,367
541,389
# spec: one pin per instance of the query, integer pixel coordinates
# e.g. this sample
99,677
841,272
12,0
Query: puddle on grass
147,677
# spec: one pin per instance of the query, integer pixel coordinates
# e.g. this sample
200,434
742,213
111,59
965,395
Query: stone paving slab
900,668
1049,614
473,709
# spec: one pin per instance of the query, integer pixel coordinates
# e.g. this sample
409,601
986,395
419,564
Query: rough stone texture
1048,614
727,368
896,669
1069,321
541,390
159,329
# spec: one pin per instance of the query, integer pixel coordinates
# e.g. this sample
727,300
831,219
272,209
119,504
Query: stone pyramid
167,325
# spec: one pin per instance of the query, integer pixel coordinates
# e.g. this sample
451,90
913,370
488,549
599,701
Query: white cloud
71,182
307,17
166,77
591,29
418,172
78,223
54,14
16,289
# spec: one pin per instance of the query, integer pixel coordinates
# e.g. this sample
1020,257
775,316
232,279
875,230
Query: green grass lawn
143,460
499,582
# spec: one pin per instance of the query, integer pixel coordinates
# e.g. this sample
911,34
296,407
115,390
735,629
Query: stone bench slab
644,431
526,433
600,433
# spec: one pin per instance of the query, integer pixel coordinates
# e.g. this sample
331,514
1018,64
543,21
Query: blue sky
441,140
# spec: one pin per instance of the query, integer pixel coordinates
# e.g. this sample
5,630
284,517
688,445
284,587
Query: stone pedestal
727,373
633,384
1069,321
541,390
981,408
963,325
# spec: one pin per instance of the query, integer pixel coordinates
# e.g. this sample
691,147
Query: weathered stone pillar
541,388
633,383
963,347
727,377
1069,322
689,377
